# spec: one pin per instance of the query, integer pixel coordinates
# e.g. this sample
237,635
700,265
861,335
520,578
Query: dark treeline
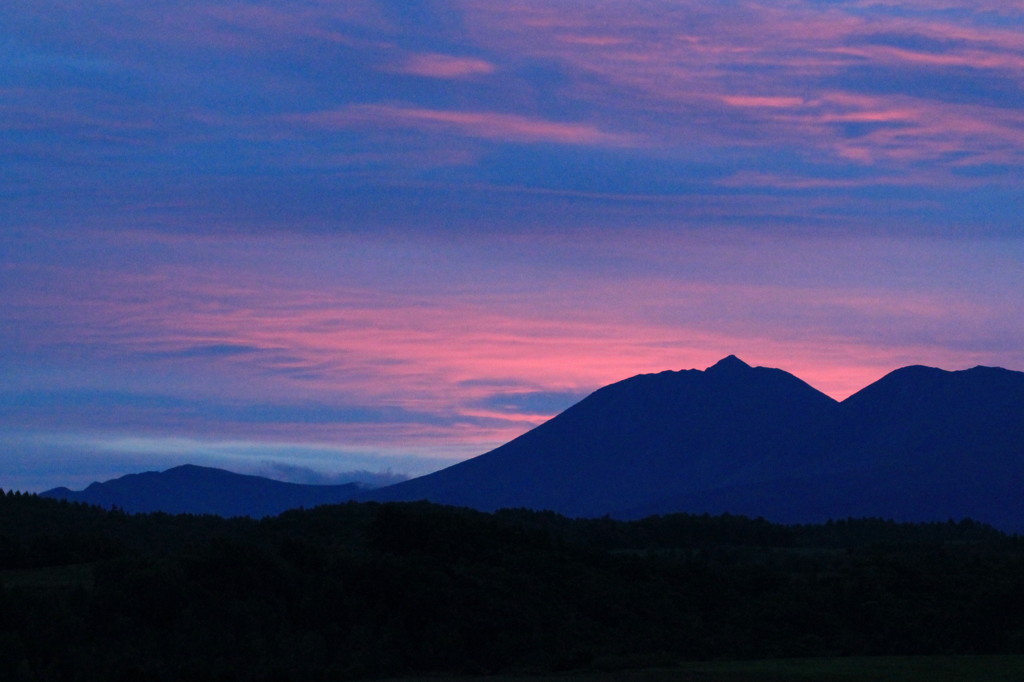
359,591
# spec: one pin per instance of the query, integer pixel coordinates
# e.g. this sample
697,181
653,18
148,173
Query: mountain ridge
642,419
919,444
193,489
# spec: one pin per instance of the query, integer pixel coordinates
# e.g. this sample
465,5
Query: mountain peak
728,363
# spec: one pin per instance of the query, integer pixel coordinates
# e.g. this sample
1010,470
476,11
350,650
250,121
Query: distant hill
920,444
191,489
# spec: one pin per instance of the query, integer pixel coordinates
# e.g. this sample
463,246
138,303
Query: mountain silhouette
651,436
191,489
920,444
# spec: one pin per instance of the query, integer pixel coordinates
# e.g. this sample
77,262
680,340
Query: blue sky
316,237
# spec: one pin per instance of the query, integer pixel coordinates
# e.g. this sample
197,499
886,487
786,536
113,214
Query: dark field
855,669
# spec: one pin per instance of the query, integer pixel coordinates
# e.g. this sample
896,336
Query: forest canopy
365,590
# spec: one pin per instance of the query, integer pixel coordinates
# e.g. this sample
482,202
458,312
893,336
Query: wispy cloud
790,73
480,124
433,65
328,352
763,101
286,471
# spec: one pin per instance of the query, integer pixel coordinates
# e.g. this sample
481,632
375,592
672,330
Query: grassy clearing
866,669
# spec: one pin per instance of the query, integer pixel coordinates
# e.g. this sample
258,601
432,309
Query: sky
307,238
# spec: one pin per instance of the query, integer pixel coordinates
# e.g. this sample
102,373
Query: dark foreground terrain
889,669
360,591
850,669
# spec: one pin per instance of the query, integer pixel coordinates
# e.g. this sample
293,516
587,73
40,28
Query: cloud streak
479,124
433,65
788,72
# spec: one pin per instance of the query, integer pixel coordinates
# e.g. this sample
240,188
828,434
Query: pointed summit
729,363
627,446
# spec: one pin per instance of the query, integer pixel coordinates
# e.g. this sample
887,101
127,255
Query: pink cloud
593,40
972,58
478,124
767,102
434,65
411,346
682,76
368,321
932,130
754,76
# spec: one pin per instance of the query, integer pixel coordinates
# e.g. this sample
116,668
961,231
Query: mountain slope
191,489
666,434
919,444
950,440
